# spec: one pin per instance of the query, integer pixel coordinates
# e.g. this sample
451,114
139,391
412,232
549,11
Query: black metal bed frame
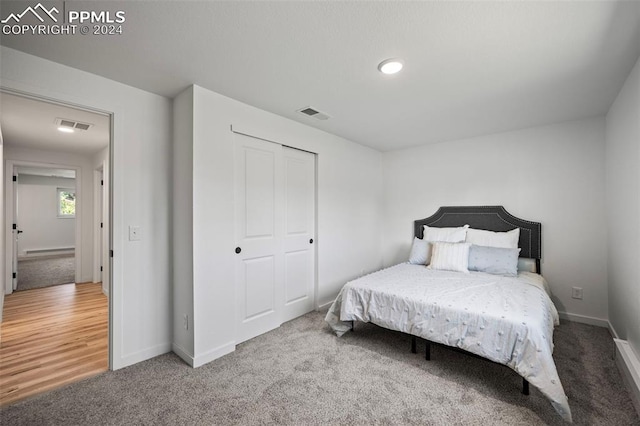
490,218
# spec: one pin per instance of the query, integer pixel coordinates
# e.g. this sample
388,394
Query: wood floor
50,337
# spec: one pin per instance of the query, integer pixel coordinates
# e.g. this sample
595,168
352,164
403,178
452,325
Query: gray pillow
419,252
494,260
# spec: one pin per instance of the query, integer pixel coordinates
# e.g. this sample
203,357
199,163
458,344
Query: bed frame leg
427,352
414,344
525,386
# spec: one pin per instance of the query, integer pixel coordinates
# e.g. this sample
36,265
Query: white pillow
450,257
481,237
419,251
448,235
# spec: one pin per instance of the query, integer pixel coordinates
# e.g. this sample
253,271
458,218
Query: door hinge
15,275
100,224
15,226
15,178
101,269
101,182
110,253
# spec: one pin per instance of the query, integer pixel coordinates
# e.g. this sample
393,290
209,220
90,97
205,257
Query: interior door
299,232
259,231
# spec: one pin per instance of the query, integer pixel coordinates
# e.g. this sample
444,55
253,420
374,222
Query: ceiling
30,123
471,68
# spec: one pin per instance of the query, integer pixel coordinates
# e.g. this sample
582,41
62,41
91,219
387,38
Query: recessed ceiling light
65,129
390,66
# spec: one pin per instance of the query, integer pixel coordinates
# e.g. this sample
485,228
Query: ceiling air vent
312,112
63,122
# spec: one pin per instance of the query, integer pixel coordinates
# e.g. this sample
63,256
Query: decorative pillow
494,260
419,251
480,237
450,256
449,235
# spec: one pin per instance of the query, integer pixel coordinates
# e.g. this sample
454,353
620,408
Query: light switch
134,233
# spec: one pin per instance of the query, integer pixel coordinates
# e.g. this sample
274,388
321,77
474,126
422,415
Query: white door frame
98,237
10,213
14,239
43,94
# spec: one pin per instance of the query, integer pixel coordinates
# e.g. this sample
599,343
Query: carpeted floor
301,374
46,271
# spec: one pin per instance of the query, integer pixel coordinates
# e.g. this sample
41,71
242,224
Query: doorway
45,246
54,332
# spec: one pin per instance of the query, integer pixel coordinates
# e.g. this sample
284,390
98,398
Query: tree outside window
66,203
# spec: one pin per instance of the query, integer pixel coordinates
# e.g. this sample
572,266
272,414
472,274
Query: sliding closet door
275,234
259,232
299,232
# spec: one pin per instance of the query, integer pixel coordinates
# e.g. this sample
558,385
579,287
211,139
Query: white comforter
508,320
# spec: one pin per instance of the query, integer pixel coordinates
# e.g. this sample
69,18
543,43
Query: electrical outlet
135,234
576,292
185,321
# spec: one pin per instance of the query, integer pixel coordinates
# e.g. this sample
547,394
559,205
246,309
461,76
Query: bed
506,319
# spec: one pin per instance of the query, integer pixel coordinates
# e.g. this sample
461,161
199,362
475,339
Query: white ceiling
29,123
471,68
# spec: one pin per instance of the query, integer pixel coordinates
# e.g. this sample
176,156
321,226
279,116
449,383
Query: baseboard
142,355
182,353
324,307
629,366
50,253
613,331
215,353
584,319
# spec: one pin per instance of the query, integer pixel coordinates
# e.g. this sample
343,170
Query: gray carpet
301,374
46,271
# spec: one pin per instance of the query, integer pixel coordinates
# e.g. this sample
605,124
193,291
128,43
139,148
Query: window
66,203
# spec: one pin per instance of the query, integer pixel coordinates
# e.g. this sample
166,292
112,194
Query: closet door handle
238,250
311,241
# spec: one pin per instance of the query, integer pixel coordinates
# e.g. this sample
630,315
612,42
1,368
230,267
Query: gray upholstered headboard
491,218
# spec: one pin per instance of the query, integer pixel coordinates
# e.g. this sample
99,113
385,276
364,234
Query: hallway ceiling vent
64,122
312,112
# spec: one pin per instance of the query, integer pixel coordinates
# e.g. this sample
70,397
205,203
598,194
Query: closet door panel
259,232
299,232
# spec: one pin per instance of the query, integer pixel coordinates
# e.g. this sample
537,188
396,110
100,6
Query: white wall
552,174
141,292
183,343
623,210
348,212
38,214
